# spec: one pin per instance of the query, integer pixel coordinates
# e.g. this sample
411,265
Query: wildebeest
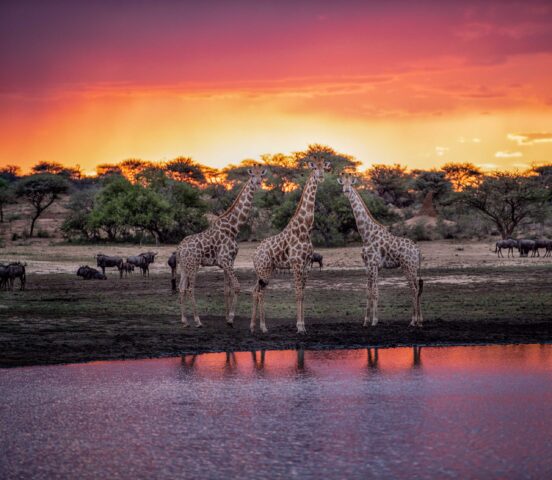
317,258
138,261
89,273
8,274
548,252
172,263
149,256
127,268
542,243
526,246
105,261
142,261
509,244
4,276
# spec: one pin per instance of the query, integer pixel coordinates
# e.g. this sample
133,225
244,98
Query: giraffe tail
420,281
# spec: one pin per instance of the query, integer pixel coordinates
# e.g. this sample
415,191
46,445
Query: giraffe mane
366,209
302,199
236,200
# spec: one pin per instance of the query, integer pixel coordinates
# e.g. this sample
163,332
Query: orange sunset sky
419,83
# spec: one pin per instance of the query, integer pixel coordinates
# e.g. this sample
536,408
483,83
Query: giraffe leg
370,313
415,291
234,290
255,295
375,296
191,293
262,317
299,295
226,296
419,301
182,288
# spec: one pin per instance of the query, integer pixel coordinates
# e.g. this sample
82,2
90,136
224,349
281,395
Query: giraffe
383,249
216,246
289,249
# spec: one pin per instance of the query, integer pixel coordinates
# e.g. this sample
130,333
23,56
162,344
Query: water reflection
287,363
473,412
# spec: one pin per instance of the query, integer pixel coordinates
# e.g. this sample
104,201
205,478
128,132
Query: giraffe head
347,180
257,173
319,165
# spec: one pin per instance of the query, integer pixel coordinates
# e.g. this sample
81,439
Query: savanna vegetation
138,200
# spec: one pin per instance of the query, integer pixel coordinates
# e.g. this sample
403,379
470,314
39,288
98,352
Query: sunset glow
417,83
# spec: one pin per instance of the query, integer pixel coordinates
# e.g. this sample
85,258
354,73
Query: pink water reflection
274,364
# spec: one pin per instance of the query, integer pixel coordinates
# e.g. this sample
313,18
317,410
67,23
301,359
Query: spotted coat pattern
217,246
290,249
382,249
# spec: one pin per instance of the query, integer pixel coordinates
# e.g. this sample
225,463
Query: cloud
508,154
469,140
441,151
530,138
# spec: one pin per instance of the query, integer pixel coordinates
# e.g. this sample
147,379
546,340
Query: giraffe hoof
264,330
230,324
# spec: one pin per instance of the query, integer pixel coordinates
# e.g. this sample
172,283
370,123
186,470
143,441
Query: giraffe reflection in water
373,357
233,360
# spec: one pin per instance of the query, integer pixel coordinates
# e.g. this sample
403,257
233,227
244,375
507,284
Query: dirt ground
470,296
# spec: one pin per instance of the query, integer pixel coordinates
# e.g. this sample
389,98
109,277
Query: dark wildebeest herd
9,273
142,261
524,247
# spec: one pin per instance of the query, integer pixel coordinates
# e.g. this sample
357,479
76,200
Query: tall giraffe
289,249
217,246
383,249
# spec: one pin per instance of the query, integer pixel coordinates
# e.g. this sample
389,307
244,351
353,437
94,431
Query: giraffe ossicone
382,249
290,249
217,246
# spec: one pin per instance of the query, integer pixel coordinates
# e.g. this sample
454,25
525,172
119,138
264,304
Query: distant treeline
138,200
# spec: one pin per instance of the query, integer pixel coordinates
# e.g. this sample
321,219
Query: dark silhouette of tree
340,161
506,198
11,173
391,183
6,196
433,187
462,175
54,168
132,167
184,169
40,191
108,170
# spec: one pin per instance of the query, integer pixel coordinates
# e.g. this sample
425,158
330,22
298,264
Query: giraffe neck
238,213
367,225
304,214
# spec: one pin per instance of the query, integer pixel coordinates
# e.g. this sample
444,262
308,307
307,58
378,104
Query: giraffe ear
250,171
327,166
264,172
354,181
311,164
340,180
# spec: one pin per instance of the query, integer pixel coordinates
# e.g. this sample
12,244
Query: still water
455,412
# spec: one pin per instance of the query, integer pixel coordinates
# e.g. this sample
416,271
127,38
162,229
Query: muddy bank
216,337
61,319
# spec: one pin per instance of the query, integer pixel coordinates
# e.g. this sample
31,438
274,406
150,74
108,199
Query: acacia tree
41,191
390,182
462,175
184,169
73,173
506,199
5,196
